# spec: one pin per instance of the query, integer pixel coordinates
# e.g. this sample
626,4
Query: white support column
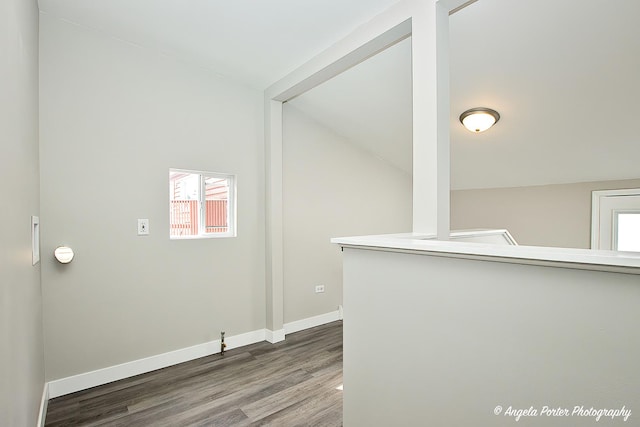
426,167
274,237
431,147
443,145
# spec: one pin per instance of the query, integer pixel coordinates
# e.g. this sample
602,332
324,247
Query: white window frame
231,206
596,200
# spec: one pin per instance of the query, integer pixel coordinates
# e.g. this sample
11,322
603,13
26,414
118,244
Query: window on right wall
627,231
201,204
615,220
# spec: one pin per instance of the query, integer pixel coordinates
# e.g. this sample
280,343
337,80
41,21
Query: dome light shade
479,119
63,254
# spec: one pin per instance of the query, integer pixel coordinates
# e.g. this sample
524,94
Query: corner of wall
44,404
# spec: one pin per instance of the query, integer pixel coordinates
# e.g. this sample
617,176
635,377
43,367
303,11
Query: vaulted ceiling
562,73
253,42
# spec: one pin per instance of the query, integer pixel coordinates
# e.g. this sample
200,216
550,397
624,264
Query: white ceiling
256,42
562,73
369,105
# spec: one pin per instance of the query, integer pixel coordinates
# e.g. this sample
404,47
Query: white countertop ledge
621,262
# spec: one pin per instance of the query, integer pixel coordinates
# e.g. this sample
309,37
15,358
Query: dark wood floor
292,383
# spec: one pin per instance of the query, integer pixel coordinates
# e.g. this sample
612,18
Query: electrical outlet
319,289
143,227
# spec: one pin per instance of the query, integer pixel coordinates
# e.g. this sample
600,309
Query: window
627,232
616,220
201,204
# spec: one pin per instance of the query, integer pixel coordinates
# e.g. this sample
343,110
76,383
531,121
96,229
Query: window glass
628,231
201,204
216,204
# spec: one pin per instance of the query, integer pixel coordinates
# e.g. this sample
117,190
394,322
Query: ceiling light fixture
479,119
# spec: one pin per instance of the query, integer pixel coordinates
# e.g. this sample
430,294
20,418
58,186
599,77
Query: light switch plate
35,240
143,227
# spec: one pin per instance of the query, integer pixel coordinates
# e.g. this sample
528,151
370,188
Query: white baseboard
98,377
44,404
87,380
311,322
275,336
241,340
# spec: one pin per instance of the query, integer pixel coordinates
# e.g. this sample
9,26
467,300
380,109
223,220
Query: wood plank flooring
291,383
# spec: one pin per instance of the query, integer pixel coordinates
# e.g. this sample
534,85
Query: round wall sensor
63,254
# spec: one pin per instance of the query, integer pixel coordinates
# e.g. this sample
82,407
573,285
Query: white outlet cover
143,227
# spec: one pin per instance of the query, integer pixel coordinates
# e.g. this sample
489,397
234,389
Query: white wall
21,357
443,341
114,119
547,215
331,188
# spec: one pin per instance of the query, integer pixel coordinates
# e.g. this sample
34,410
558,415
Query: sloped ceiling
562,73
253,42
369,105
